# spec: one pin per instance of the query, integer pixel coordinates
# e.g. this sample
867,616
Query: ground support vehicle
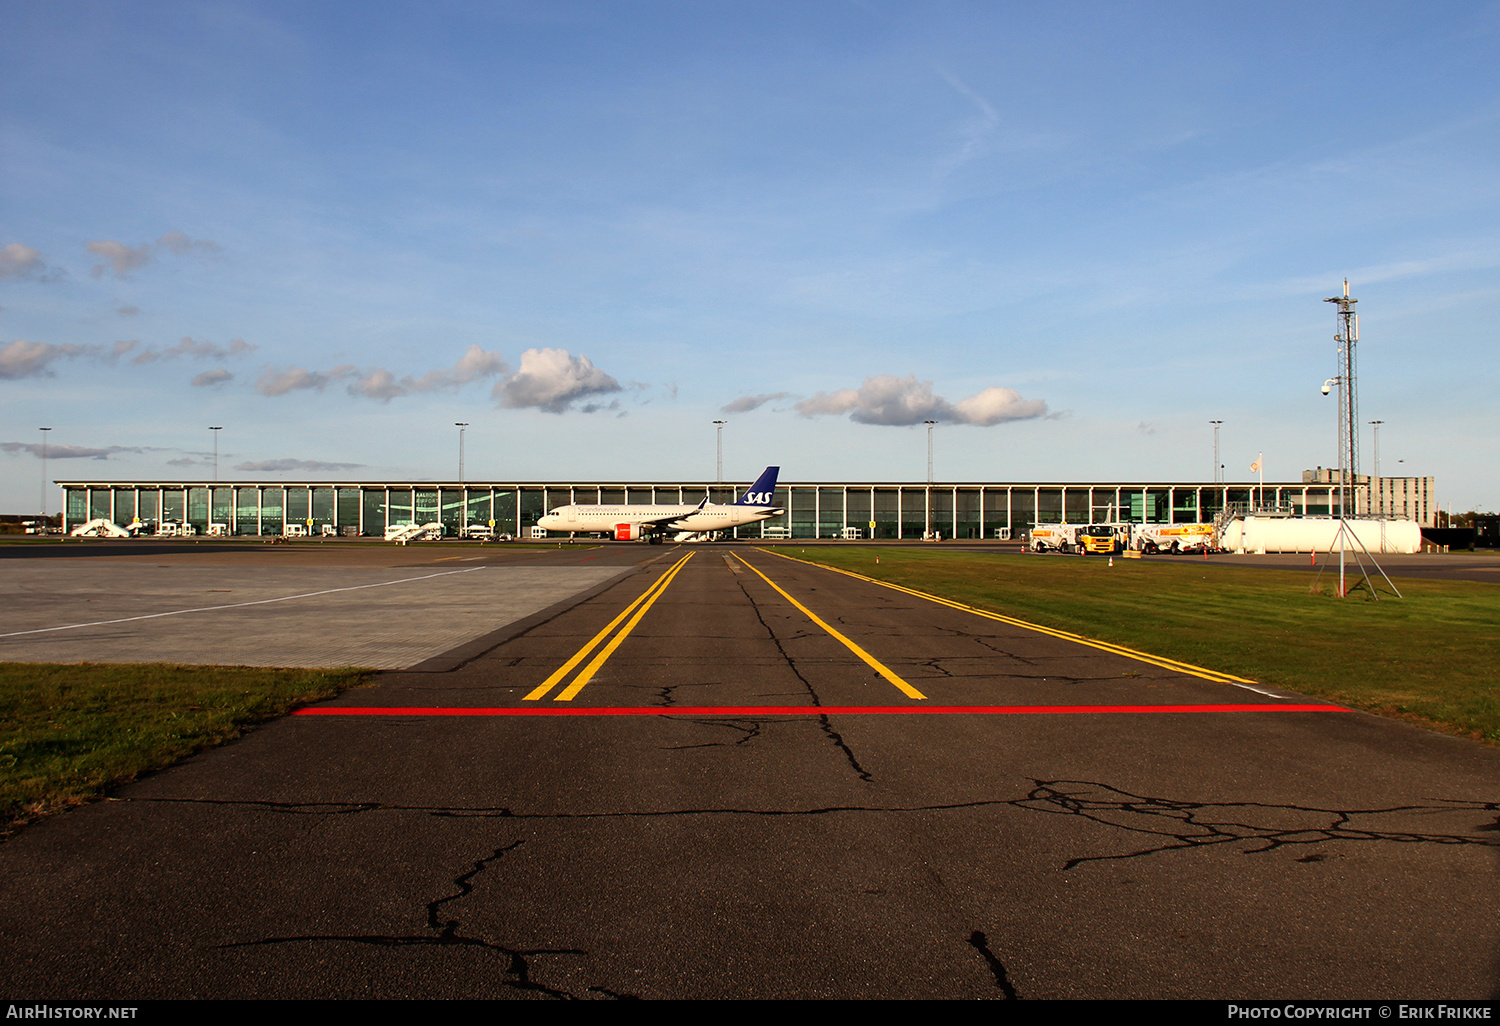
1151,538
1102,539
1053,538
403,533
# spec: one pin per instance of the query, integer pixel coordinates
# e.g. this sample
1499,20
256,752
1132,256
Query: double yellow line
638,607
1175,665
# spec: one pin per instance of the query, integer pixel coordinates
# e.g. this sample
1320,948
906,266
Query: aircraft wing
674,518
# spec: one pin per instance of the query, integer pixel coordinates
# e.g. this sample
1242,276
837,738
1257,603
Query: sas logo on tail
756,498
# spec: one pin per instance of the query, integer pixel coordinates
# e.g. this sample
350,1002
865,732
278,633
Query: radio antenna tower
1347,539
1347,337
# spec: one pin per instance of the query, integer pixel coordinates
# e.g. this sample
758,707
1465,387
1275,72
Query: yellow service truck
1102,539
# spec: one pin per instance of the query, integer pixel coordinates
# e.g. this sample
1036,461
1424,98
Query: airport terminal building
814,509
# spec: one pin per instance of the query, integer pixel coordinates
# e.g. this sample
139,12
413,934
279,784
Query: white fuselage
602,519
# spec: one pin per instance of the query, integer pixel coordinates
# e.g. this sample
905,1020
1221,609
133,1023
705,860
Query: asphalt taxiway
720,772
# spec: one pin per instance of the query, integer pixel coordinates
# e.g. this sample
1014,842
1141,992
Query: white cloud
217,376
21,359
68,452
120,257
997,405
18,261
123,260
745,404
296,378
278,466
889,400
474,365
882,399
178,243
552,380
377,382
190,347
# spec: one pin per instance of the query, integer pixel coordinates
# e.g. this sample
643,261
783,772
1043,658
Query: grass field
70,732
1431,657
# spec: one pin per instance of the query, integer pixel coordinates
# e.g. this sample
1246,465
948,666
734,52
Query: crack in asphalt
1178,824
1189,824
869,628
824,723
465,888
748,733
447,935
988,642
981,944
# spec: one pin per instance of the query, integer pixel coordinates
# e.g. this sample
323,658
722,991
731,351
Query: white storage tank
1318,534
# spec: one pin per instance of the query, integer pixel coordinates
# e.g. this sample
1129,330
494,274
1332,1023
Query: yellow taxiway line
639,607
1145,657
875,664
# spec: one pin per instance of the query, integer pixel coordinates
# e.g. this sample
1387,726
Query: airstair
100,528
403,533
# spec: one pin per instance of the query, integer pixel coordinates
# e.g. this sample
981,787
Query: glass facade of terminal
814,510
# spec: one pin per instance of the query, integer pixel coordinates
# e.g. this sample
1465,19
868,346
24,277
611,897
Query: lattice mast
1347,338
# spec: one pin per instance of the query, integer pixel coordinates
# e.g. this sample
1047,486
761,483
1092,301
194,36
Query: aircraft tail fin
763,491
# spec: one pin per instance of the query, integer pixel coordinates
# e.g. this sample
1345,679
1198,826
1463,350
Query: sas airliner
631,523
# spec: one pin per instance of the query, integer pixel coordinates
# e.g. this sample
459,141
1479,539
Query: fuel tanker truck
1052,537
1174,538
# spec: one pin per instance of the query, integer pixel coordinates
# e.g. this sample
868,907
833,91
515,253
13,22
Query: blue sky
1073,234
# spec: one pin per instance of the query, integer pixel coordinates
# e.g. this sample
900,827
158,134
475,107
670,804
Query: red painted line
737,711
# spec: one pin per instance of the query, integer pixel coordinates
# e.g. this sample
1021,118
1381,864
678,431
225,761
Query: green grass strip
68,733
1431,657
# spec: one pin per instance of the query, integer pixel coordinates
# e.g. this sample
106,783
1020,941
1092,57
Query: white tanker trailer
1173,537
1318,534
